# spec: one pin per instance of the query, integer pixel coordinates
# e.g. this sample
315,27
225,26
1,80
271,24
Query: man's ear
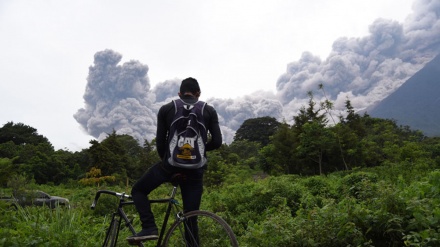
178,93
198,94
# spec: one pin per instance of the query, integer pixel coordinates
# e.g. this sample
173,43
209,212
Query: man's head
190,86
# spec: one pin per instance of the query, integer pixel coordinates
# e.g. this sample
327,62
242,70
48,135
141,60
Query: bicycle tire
213,231
111,237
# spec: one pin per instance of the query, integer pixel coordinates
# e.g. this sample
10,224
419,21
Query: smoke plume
364,70
118,98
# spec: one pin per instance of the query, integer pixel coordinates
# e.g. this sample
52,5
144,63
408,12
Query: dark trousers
191,189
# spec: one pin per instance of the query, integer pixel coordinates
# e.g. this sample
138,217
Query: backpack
188,135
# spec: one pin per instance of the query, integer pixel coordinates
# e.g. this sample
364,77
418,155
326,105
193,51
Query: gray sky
233,48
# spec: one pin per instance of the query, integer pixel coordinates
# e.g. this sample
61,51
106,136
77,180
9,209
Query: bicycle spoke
210,230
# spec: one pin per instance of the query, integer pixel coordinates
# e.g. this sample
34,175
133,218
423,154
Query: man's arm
214,129
161,133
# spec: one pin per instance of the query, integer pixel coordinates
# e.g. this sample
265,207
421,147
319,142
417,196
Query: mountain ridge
417,102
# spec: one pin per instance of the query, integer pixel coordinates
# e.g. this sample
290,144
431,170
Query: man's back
166,116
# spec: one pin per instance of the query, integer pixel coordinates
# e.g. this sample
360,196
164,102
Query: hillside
416,103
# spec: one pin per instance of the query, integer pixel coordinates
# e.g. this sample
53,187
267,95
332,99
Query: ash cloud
118,97
364,70
233,112
167,90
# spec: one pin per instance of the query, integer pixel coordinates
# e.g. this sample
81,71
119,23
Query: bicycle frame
122,215
179,226
171,201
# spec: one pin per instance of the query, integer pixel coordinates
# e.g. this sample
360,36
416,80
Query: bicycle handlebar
113,193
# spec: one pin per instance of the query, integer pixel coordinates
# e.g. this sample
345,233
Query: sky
76,69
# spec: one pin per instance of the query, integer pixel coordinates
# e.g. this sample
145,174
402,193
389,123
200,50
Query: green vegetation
359,182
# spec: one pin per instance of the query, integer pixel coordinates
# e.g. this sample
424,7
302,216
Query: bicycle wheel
200,229
111,237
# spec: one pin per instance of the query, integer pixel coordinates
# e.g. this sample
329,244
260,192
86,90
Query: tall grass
42,226
394,205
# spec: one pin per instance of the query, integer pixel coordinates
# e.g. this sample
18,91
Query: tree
103,157
9,149
267,160
432,145
29,151
120,156
309,114
327,105
21,134
245,149
283,144
93,177
34,160
149,154
349,131
315,141
148,157
257,130
6,170
65,165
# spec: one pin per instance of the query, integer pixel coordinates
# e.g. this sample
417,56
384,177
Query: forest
348,180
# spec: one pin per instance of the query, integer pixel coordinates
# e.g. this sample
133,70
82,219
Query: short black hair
189,85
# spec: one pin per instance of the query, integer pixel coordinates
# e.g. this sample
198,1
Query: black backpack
188,135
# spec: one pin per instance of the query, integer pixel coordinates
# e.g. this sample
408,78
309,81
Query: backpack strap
188,106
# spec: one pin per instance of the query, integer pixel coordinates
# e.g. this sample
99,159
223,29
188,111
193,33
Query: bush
274,230
330,225
423,212
318,185
360,185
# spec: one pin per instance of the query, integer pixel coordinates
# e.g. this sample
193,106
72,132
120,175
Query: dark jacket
165,117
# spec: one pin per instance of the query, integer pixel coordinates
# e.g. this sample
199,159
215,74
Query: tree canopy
257,130
21,134
309,146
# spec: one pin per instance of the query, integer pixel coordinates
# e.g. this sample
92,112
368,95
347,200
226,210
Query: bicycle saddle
177,178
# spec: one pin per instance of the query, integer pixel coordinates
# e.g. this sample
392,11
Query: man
192,187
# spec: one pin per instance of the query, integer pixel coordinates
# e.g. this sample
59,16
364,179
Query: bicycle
212,230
